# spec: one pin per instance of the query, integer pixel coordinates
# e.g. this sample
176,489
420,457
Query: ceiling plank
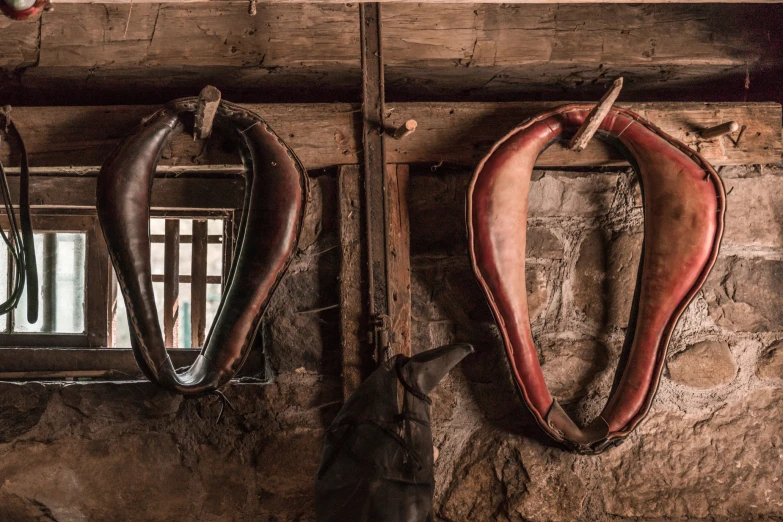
438,1
432,51
330,134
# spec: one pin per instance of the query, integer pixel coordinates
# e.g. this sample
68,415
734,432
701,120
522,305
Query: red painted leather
684,206
275,198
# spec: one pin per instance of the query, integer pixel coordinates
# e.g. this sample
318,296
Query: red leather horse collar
684,206
275,198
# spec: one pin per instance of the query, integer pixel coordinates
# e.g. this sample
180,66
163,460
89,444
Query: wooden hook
208,102
596,117
729,127
406,129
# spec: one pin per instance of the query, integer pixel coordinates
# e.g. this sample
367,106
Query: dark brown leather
275,197
684,206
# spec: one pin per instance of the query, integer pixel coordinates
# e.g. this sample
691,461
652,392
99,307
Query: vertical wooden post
100,321
351,314
48,283
171,284
198,285
399,260
375,182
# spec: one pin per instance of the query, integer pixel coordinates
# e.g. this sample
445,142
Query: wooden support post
171,283
375,181
49,283
198,285
208,102
351,311
596,117
399,260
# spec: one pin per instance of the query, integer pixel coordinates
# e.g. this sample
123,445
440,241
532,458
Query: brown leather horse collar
276,191
684,206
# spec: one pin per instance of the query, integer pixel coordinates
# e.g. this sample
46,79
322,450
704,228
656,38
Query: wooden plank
351,309
329,134
199,34
44,361
171,283
20,42
112,2
198,285
69,136
399,260
478,50
462,133
48,283
167,193
99,273
97,363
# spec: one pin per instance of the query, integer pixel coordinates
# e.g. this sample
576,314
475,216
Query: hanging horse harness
684,205
21,243
275,197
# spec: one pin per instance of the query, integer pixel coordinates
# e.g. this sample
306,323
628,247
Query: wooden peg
406,129
729,127
252,9
595,118
208,102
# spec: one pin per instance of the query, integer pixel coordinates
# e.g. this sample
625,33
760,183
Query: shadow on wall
581,271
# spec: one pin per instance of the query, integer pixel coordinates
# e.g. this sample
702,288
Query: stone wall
711,448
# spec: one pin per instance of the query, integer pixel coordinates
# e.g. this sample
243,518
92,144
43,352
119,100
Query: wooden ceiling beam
432,1
330,134
445,51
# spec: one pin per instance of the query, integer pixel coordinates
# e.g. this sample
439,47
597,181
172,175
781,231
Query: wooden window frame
171,278
37,356
96,297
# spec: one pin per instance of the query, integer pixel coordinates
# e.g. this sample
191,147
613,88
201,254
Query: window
82,331
189,258
68,246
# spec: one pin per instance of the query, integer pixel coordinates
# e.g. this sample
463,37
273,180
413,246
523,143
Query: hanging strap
21,243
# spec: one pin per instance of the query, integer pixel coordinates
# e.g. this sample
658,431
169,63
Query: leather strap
684,206
20,244
275,197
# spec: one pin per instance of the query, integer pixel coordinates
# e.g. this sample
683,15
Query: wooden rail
330,134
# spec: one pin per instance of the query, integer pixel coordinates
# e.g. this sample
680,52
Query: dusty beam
330,134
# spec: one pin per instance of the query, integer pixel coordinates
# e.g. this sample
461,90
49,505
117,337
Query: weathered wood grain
219,33
169,193
328,134
399,232
351,315
444,1
487,51
18,43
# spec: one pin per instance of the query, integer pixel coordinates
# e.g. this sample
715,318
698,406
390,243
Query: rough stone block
561,194
510,478
605,276
706,364
770,364
542,243
715,464
746,295
754,214
570,367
